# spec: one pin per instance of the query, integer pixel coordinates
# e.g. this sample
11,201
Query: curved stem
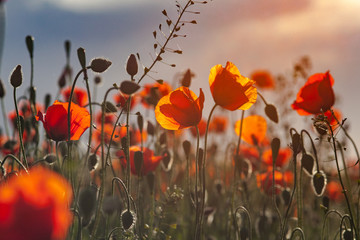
324,222
5,118
116,179
313,147
16,159
242,208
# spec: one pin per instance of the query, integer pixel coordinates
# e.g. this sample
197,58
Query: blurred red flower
265,181
179,109
201,127
56,124
263,79
79,96
316,96
149,164
121,101
334,191
253,129
229,89
35,206
151,93
282,159
218,124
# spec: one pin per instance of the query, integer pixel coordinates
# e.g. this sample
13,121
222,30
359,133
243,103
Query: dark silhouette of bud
151,181
67,46
30,45
308,163
129,87
50,158
140,121
296,144
92,162
82,57
127,219
138,161
97,80
186,146
2,89
62,79
16,77
100,65
132,66
318,183
47,101
275,146
150,128
109,107
271,113
186,80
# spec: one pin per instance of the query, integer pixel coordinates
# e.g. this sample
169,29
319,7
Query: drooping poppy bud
100,65
30,45
16,77
132,66
318,183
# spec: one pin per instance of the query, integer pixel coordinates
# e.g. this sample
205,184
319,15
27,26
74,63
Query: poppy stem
313,147
16,160
203,168
262,98
20,130
197,182
4,117
352,220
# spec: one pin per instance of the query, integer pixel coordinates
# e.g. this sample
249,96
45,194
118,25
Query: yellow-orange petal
253,129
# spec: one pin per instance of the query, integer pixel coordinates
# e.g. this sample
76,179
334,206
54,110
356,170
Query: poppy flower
316,96
334,191
202,129
56,124
135,135
179,109
218,124
263,79
331,118
265,181
151,93
35,206
229,89
79,96
149,164
121,100
281,160
253,129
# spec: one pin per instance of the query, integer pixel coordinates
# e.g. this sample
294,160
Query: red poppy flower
121,100
282,159
316,96
35,206
263,79
265,181
201,127
229,89
135,135
109,118
331,118
334,191
253,129
218,124
149,164
79,96
151,93
179,109
56,124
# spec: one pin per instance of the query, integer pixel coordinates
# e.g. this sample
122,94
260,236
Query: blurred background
253,34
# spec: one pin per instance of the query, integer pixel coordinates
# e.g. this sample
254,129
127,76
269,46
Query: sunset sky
253,34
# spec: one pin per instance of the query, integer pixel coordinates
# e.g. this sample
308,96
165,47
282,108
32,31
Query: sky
253,34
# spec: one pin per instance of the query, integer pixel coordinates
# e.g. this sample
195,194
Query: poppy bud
100,65
138,161
62,80
92,162
30,45
347,234
124,142
2,89
109,107
307,162
127,219
285,195
87,203
151,181
50,158
97,80
296,143
270,111
67,46
186,146
167,160
186,80
81,57
47,101
321,127
129,87
150,128
132,66
16,77
275,146
162,138
140,121
318,183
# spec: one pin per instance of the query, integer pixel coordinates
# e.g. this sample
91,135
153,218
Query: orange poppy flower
331,118
282,159
265,181
202,129
150,161
229,89
151,93
263,79
334,191
79,96
35,206
179,109
218,124
121,99
56,124
253,129
109,118
316,96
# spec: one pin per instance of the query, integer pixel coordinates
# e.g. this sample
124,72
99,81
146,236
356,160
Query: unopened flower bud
318,183
16,77
50,158
2,89
97,80
92,162
132,66
100,65
81,57
127,219
30,45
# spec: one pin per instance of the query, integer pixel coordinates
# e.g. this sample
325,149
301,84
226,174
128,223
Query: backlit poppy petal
253,129
179,109
316,96
229,89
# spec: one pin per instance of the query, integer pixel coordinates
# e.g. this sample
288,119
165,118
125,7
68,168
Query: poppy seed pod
131,65
30,45
81,56
16,77
271,113
127,219
318,183
100,65
50,158
129,87
2,89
